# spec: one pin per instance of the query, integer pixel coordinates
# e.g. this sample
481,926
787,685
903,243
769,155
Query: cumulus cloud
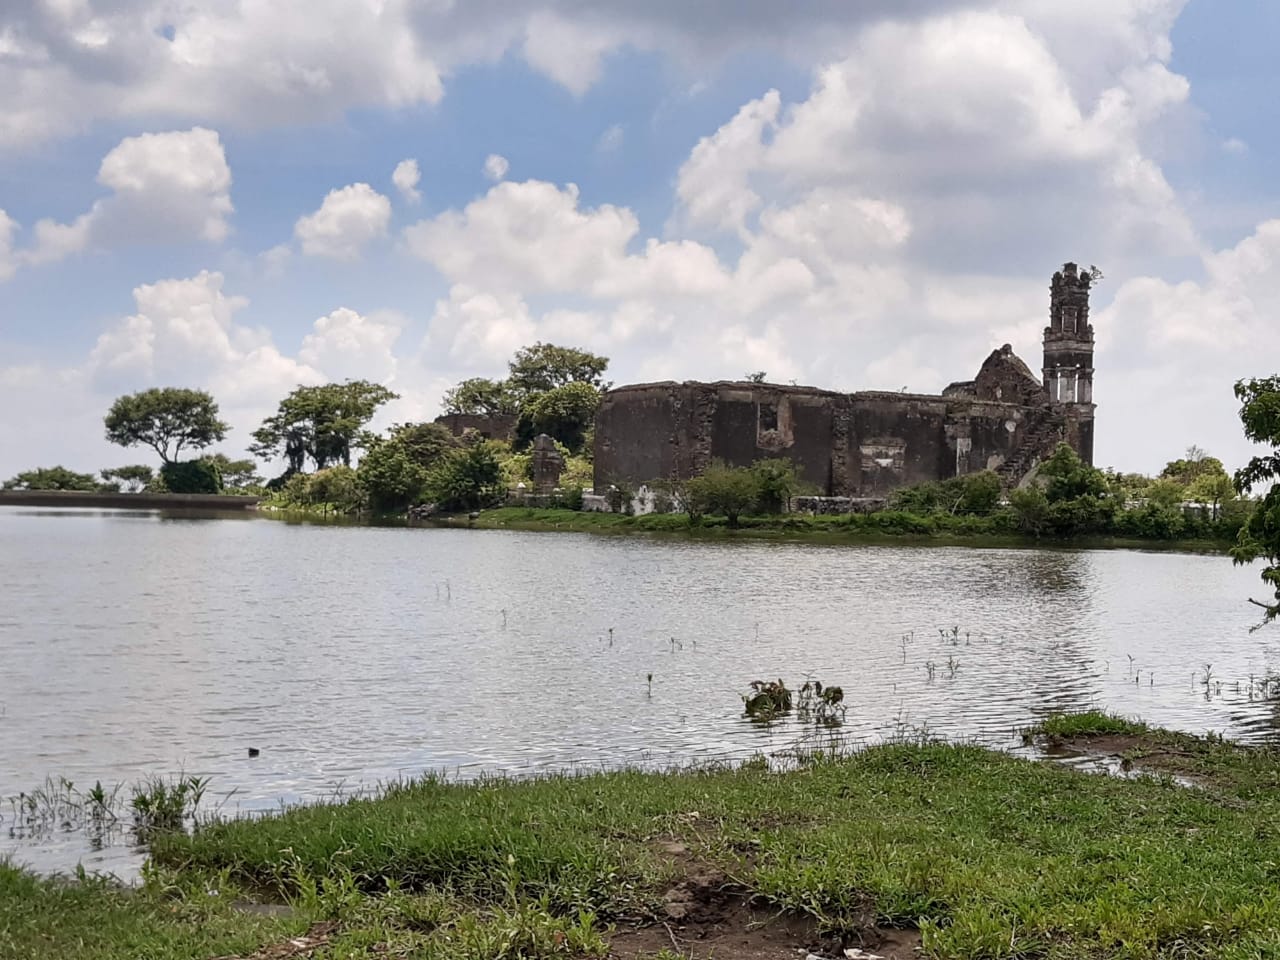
349,218
165,187
8,264
406,177
348,345
495,167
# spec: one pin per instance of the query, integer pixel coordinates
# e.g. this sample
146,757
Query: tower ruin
1068,355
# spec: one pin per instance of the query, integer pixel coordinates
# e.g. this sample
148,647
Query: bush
724,490
191,476
974,494
467,479
777,481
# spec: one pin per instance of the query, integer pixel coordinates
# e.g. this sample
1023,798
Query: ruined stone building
868,443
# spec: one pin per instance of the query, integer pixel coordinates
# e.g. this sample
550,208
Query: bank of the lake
958,850
884,526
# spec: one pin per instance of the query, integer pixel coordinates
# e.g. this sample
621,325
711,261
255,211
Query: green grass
987,854
1090,723
884,526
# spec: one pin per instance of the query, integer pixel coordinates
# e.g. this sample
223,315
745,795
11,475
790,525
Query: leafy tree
479,395
191,476
1213,489
1070,477
777,481
167,419
722,490
131,479
236,474
1260,536
52,478
564,413
975,494
1031,509
545,366
335,487
394,472
757,377
1165,492
467,478
1194,465
322,424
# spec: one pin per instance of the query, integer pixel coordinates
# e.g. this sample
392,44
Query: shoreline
831,530
910,845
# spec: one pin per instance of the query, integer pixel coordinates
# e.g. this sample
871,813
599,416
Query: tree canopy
545,366
167,419
1260,536
479,395
322,424
131,479
52,478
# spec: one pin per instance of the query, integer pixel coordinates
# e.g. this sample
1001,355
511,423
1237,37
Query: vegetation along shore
950,849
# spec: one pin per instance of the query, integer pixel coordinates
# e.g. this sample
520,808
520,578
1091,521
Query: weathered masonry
868,443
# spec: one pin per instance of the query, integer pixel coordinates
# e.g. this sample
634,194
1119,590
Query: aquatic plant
768,700
824,705
166,806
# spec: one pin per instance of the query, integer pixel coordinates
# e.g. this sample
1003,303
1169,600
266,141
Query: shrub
466,479
191,476
728,491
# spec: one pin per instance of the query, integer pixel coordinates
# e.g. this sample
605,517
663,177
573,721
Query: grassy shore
885,527
956,850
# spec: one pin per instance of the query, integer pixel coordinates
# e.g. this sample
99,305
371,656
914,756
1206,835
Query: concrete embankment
125,501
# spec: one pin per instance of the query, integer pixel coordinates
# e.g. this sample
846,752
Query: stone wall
495,426
852,445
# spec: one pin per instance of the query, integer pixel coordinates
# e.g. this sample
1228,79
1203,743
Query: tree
777,481
467,478
191,476
1260,536
167,419
236,474
757,377
545,366
721,489
1194,465
322,424
1070,477
52,478
479,395
1214,490
564,413
394,472
131,479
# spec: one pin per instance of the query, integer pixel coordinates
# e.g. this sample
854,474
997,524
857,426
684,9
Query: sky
244,196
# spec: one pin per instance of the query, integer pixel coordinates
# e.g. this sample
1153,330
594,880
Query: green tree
1165,492
722,490
191,476
1260,535
479,395
167,419
777,481
394,471
466,479
1214,490
131,479
52,478
565,413
1070,477
323,424
544,366
1192,466
336,488
236,474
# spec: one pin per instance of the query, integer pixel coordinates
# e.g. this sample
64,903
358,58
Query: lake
139,644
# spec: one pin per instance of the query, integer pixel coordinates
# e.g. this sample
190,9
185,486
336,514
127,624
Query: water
133,644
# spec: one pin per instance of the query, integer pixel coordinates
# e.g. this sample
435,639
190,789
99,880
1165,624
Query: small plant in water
768,700
161,805
824,705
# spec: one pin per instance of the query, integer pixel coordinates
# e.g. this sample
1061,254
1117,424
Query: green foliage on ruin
1260,536
467,478
975,494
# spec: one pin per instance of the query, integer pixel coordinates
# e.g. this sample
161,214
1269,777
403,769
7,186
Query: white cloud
165,187
347,345
8,264
349,218
1234,145
496,167
406,177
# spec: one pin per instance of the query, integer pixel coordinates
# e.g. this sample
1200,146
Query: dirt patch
317,936
706,915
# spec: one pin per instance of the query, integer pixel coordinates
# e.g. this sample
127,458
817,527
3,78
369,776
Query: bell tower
1068,355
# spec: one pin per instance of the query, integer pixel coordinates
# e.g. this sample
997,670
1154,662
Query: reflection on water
132,644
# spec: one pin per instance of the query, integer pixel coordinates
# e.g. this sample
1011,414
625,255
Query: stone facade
491,426
866,444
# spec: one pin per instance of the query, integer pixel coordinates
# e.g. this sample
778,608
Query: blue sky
868,195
